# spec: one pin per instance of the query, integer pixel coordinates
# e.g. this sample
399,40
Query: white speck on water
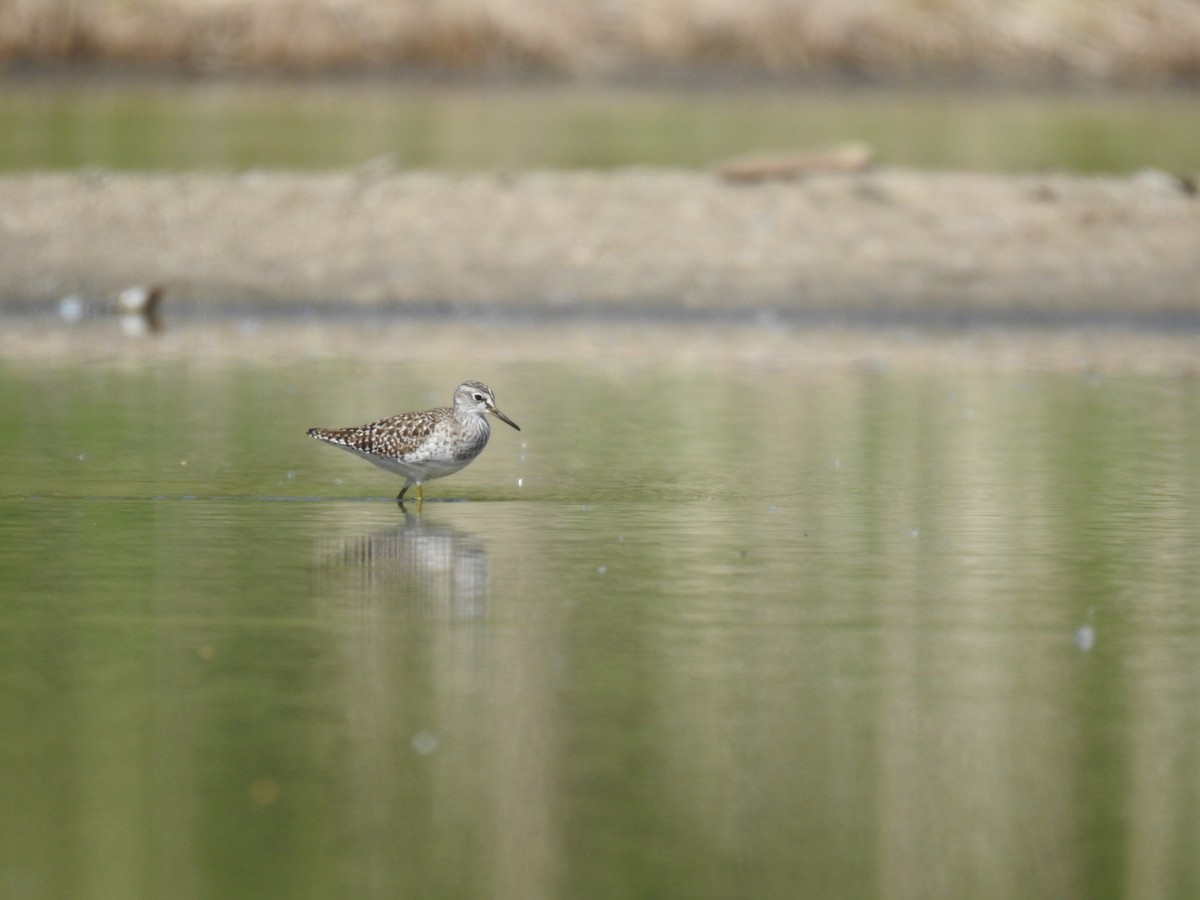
424,742
585,508
603,570
837,462
71,308
291,475
772,509
82,457
1085,637
520,482
914,533
337,481
134,326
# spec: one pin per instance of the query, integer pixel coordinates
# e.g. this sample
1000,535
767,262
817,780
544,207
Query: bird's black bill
503,418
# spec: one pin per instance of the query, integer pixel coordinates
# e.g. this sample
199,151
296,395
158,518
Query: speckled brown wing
395,437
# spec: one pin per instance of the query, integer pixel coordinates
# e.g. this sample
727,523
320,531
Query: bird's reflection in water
436,568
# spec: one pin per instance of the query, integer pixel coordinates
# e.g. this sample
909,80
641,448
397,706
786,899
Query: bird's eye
479,398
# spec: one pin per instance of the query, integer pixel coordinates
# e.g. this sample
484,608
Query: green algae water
698,630
131,125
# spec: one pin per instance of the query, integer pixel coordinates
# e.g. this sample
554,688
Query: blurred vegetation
1104,41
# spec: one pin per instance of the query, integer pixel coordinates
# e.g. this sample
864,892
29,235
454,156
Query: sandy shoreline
883,244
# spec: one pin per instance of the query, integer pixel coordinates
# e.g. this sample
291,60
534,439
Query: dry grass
1104,40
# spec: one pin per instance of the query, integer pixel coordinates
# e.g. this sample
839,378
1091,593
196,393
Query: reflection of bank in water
432,568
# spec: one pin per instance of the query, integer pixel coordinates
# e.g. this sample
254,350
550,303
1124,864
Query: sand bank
876,245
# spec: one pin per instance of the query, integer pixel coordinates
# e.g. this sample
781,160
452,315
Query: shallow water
128,124
699,630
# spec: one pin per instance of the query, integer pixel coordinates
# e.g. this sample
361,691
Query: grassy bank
1111,41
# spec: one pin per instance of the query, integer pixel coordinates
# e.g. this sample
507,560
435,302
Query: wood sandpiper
432,443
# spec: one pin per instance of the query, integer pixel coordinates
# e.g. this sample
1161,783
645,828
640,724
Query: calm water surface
123,124
693,632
